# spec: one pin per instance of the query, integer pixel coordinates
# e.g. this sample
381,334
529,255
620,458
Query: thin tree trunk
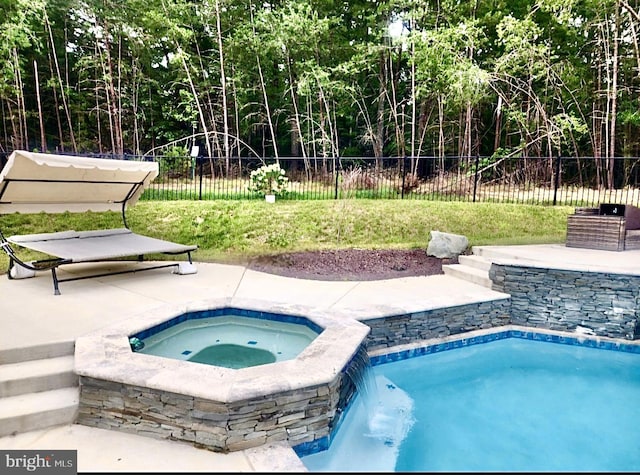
393,104
56,103
236,110
5,132
614,96
135,104
113,97
441,129
43,137
98,122
22,111
413,92
321,124
296,130
423,121
210,111
635,16
194,92
312,129
223,81
468,129
16,139
498,131
181,54
264,91
460,125
62,89
108,97
378,141
120,134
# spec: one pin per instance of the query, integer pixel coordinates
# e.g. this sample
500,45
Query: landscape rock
446,245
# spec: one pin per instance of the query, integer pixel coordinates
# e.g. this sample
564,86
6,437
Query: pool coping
580,337
106,354
433,345
44,322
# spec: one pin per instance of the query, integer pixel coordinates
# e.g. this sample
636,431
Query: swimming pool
508,404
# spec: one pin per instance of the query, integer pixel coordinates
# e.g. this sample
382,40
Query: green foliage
630,117
324,78
443,66
176,162
269,180
568,127
469,167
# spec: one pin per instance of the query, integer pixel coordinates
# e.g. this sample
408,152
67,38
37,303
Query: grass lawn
232,231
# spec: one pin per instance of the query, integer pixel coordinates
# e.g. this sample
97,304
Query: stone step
493,253
487,253
477,262
37,376
37,352
35,411
468,273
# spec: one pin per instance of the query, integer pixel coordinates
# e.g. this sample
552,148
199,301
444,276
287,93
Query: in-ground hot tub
231,338
219,408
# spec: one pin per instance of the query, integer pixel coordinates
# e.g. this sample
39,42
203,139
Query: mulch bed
351,264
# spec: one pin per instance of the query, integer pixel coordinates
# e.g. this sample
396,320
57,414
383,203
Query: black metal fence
571,181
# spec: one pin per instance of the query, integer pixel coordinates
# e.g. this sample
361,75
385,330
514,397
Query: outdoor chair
38,182
610,227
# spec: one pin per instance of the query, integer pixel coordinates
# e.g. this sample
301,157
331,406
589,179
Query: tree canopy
322,78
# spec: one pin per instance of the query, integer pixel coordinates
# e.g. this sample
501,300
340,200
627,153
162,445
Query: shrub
411,183
176,162
358,179
269,180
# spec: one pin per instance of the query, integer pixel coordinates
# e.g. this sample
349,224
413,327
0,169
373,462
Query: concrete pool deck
31,315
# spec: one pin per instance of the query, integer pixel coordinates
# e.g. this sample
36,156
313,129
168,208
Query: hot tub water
230,341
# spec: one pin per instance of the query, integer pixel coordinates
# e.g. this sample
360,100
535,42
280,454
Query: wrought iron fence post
200,161
475,177
404,174
335,170
556,181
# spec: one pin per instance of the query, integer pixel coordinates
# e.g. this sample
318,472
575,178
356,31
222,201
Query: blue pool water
507,405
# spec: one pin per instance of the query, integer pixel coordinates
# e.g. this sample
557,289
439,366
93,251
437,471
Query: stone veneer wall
304,416
605,303
298,416
409,328
545,298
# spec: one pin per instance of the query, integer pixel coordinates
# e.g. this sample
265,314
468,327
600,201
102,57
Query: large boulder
446,245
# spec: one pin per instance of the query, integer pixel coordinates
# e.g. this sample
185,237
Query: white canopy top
34,182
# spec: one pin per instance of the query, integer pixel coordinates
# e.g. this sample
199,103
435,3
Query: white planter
270,198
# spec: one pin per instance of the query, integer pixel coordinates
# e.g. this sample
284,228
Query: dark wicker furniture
611,227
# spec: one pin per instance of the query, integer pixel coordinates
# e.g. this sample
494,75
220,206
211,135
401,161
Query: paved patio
31,315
